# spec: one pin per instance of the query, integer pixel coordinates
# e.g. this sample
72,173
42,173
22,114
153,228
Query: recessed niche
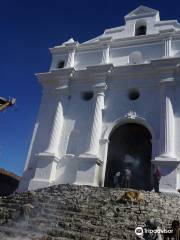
133,94
86,96
60,64
140,27
140,31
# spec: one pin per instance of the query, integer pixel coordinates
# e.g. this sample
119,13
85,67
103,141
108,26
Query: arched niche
131,118
130,146
140,28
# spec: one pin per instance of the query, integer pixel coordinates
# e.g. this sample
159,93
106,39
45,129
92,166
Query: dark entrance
130,146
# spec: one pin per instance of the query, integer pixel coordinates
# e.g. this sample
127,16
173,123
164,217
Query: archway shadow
130,146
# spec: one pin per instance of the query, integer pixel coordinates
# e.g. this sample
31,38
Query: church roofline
141,12
119,42
152,38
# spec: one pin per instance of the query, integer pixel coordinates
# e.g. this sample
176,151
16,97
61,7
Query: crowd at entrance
124,180
129,158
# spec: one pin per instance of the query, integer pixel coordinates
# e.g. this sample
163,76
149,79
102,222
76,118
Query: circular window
133,94
87,96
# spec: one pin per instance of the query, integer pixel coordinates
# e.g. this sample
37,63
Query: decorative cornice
104,40
65,48
120,42
156,69
56,77
165,64
165,160
100,87
130,41
114,30
175,23
47,156
128,71
90,158
98,72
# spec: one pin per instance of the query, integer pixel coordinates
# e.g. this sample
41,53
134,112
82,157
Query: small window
133,94
60,64
140,31
87,95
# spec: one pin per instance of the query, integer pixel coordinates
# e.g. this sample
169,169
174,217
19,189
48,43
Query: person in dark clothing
127,177
156,178
116,179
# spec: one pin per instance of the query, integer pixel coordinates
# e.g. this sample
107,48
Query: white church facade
109,103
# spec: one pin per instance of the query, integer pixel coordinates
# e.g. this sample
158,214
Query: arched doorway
130,146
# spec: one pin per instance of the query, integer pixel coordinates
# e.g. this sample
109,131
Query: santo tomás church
109,103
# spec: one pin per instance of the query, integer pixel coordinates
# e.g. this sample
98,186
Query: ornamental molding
114,30
64,48
131,115
155,70
97,72
100,87
168,81
165,63
175,23
133,71
55,77
105,40
120,42
47,156
130,41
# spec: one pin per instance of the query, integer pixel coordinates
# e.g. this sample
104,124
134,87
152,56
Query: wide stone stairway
67,212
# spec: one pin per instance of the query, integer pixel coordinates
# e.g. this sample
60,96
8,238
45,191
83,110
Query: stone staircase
66,212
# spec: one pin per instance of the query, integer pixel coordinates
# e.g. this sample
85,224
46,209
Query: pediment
141,11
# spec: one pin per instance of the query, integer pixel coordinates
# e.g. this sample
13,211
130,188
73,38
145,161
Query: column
167,120
56,129
45,172
105,55
167,47
96,128
70,61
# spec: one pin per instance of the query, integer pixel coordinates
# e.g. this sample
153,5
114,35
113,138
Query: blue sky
28,29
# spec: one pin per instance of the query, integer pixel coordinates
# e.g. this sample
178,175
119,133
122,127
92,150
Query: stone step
67,212
14,232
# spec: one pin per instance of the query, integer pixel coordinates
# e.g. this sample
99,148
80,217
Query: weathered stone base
66,212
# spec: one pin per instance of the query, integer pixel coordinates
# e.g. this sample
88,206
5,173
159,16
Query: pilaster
167,137
71,47
105,41
56,86
167,46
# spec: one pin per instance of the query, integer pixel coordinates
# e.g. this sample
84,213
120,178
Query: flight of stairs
66,212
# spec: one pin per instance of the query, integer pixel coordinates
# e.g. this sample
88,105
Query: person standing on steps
116,179
127,177
156,177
